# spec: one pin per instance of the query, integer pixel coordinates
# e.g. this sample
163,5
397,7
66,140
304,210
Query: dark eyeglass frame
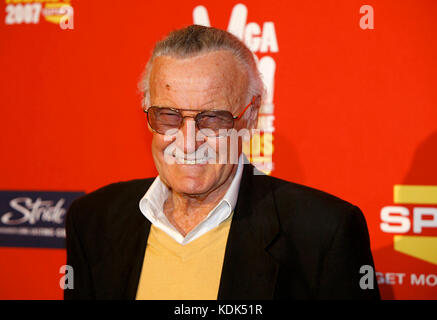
196,117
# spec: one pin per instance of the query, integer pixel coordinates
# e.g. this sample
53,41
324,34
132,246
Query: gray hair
194,40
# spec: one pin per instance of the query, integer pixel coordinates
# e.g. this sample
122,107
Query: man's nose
186,139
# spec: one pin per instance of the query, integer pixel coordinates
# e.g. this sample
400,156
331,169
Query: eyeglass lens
163,119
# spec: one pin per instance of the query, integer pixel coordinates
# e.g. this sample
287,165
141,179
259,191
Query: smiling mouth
192,159
191,162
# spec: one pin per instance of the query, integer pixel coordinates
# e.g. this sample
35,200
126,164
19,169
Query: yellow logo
424,217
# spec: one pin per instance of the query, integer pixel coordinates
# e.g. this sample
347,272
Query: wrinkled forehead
215,76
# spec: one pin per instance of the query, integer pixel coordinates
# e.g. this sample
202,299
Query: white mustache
225,153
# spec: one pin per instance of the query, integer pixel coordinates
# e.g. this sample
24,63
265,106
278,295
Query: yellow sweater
172,271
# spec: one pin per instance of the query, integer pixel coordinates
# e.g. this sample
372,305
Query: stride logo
34,219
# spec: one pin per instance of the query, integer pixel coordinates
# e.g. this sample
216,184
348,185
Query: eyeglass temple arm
247,107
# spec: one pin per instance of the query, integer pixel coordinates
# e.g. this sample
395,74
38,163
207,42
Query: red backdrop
355,113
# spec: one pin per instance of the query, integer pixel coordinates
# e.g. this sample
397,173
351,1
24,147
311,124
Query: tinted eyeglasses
212,123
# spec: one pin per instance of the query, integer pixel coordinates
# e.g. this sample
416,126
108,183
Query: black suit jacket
286,241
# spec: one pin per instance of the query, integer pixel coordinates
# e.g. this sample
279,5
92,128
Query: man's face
209,81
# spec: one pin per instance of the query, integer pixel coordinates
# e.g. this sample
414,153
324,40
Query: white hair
194,40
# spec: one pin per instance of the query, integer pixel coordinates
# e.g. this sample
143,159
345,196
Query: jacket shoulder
115,192
323,238
106,203
304,211
293,195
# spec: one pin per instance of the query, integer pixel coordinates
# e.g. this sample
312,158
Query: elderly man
208,227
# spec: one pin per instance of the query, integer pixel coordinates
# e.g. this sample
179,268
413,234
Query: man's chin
189,189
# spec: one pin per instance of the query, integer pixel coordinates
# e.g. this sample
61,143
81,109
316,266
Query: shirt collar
151,205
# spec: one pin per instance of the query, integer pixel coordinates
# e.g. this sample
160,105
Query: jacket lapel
135,265
249,272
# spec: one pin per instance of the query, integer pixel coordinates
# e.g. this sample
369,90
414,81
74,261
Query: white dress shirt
152,204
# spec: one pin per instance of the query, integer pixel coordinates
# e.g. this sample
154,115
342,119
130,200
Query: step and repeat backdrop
351,109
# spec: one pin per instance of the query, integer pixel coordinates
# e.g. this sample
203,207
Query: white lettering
19,13
251,36
390,278
238,20
367,20
67,20
200,16
269,41
191,310
32,212
418,218
366,281
267,67
417,281
390,215
67,280
255,39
